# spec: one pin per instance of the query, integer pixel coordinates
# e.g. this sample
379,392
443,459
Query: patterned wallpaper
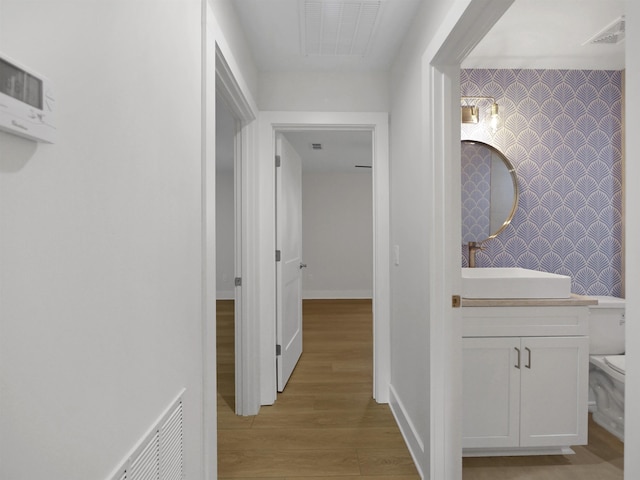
476,193
562,130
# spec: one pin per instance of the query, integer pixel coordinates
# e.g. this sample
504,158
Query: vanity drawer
539,321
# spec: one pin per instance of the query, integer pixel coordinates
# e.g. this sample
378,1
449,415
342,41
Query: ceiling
274,30
531,34
551,34
342,151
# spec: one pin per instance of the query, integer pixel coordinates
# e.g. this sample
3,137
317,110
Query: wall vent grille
612,34
159,455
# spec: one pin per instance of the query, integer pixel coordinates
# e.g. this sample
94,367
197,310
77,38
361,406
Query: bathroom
562,131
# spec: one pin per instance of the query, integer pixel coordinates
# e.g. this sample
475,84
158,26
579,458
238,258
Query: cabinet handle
528,365
518,364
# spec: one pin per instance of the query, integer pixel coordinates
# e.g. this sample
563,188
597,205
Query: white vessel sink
513,283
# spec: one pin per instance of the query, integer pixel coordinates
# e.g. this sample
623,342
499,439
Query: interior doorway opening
376,124
227,129
335,192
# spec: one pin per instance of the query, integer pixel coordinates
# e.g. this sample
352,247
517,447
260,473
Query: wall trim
462,28
408,430
336,294
234,89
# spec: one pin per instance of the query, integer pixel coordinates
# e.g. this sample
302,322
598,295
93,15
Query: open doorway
333,184
376,124
226,131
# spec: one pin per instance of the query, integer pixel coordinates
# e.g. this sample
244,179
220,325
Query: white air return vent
612,34
159,455
338,28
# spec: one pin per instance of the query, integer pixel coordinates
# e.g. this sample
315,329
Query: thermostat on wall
27,102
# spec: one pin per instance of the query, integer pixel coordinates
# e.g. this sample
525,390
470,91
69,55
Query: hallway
325,423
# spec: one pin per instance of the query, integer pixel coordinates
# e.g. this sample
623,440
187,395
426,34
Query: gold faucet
473,248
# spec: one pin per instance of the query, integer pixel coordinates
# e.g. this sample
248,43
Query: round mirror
489,191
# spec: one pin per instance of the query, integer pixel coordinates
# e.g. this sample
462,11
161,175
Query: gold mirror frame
511,170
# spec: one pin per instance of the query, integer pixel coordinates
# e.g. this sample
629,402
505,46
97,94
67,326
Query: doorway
226,252
377,125
335,222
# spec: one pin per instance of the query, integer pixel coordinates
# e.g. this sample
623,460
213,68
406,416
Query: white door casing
288,260
464,26
270,123
222,75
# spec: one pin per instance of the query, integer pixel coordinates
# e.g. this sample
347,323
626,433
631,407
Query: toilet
607,363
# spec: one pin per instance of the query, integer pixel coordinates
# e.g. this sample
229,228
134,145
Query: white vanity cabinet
525,379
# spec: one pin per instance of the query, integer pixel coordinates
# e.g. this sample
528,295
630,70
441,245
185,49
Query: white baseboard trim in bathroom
336,294
407,429
159,453
516,452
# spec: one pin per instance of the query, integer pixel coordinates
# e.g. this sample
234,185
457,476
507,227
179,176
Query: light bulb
495,118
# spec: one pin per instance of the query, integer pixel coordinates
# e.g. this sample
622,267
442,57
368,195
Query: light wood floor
602,459
326,425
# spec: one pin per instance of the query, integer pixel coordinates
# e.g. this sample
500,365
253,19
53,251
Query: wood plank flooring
326,424
601,459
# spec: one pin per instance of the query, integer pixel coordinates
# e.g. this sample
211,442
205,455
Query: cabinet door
554,390
491,392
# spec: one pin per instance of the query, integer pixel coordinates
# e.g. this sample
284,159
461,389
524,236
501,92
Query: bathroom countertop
573,301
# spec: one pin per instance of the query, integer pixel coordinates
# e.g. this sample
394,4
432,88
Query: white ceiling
341,150
272,28
551,34
531,34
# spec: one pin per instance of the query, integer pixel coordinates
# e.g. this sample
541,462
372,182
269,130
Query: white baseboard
313,294
336,294
407,429
516,452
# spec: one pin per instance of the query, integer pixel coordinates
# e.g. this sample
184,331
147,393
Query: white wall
337,235
411,204
323,92
100,237
234,46
225,201
632,145
225,248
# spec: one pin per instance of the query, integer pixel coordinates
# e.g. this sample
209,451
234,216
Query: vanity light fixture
471,113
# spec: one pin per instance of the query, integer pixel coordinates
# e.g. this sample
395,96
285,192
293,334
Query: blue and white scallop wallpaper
476,193
562,131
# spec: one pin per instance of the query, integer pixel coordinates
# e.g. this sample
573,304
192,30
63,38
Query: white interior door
289,246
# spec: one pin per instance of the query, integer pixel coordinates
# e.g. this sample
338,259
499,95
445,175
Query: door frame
466,24
244,152
269,124
222,74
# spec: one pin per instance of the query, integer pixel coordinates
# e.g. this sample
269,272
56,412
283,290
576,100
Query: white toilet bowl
607,364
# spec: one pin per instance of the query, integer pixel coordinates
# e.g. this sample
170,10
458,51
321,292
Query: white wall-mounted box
27,102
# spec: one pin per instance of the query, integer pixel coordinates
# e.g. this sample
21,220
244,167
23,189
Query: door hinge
278,350
278,161
277,255
238,281
455,301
